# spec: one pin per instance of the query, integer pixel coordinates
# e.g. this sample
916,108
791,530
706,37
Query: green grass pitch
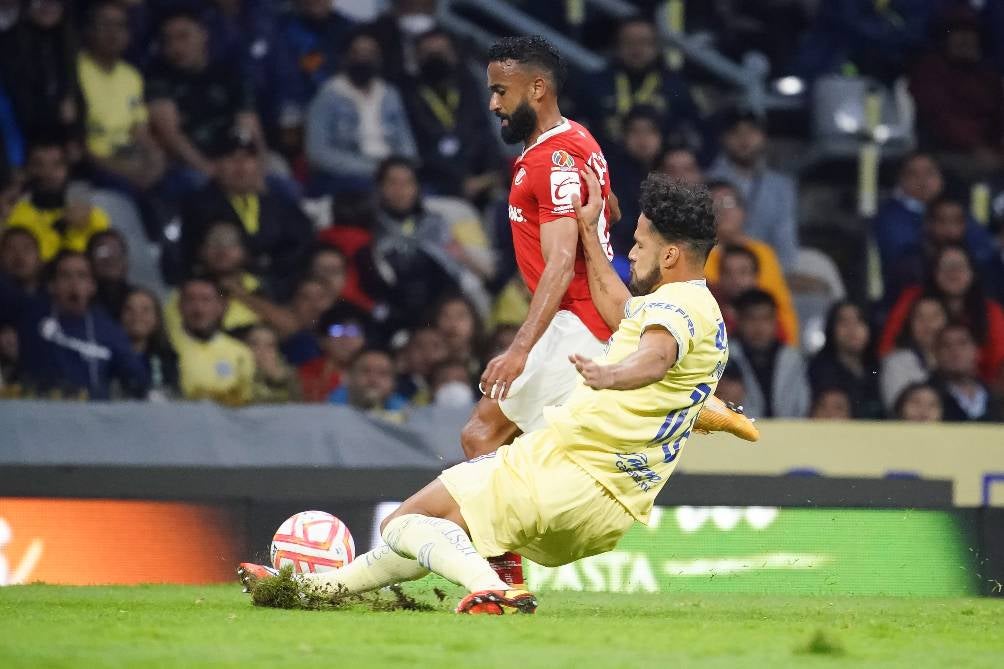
216,626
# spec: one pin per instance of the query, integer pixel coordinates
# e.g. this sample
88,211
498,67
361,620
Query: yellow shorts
529,497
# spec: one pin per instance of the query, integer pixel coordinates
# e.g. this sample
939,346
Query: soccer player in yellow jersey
573,488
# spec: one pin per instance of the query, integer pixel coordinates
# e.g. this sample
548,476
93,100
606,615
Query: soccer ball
312,542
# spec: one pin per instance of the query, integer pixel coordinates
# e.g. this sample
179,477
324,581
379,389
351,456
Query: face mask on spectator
436,69
361,73
454,394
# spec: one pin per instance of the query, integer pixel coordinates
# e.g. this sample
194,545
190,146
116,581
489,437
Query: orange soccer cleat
249,572
719,416
495,602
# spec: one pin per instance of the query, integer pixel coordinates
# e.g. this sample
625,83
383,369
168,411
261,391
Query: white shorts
549,378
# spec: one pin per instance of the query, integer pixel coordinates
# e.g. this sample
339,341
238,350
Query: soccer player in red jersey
525,75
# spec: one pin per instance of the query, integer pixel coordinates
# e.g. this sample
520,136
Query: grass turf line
217,626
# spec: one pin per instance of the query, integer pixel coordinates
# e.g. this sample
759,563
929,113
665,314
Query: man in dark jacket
67,347
277,232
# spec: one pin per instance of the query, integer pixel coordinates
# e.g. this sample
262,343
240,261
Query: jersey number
675,420
599,166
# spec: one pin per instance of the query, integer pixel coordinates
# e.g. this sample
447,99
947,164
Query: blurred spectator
109,258
774,375
913,358
956,377
342,336
459,153
730,214
396,31
457,320
275,230
739,271
356,120
143,323
244,32
873,37
369,387
451,386
847,361
414,256
730,386
918,403
223,258
349,239
631,161
944,223
38,63
20,261
212,365
10,190
195,102
953,281
11,139
831,404
312,35
899,223
425,349
67,348
311,298
771,198
501,339
274,380
773,28
59,214
679,163
117,133
637,76
10,372
959,95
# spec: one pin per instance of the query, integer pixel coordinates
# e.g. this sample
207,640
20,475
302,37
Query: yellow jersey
51,239
630,440
220,369
237,316
115,104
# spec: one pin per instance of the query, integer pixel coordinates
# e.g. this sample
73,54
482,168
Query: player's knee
476,439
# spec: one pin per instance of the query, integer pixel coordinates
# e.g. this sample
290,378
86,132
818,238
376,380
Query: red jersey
546,176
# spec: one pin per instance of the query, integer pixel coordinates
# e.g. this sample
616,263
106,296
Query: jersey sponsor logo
563,186
676,310
519,176
562,158
516,214
636,466
224,369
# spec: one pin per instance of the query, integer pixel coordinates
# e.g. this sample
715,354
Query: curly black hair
531,50
680,213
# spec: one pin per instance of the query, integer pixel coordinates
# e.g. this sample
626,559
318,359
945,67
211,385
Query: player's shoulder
570,143
691,298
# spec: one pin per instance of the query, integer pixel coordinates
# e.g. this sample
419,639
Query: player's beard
522,123
643,285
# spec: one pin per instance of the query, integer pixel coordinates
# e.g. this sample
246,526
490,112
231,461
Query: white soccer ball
312,542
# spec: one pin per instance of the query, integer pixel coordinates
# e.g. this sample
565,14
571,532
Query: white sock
442,546
378,568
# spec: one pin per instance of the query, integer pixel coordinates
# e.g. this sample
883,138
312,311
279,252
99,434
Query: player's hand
595,375
501,371
588,215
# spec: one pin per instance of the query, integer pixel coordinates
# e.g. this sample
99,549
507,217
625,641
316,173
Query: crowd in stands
325,203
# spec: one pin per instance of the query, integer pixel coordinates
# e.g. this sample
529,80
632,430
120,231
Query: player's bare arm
656,354
608,291
558,240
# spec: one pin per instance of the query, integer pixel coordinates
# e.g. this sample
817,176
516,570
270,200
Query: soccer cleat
719,416
495,602
509,567
249,572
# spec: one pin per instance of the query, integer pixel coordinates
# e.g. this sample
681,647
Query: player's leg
486,429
